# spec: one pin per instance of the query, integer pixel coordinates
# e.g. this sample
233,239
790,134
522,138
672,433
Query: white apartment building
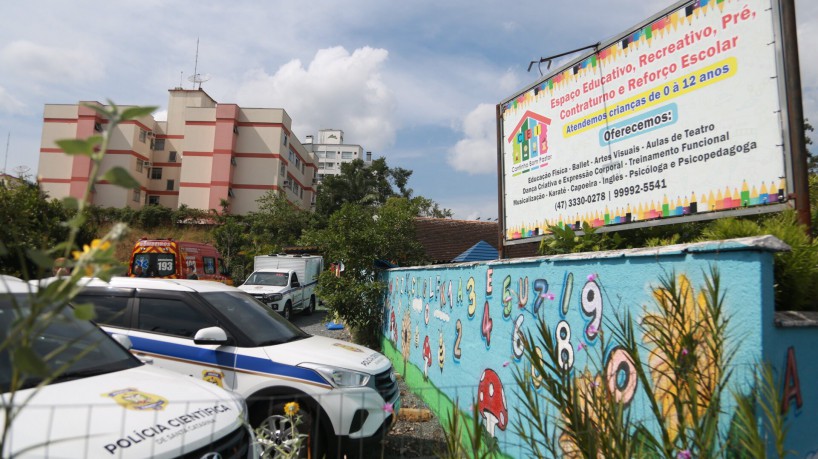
331,151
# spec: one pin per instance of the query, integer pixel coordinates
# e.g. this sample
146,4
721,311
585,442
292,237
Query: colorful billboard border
654,127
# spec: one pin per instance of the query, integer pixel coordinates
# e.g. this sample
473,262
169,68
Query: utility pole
795,113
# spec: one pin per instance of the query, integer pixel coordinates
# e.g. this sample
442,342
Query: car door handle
144,359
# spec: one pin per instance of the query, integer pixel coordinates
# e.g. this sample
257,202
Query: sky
414,82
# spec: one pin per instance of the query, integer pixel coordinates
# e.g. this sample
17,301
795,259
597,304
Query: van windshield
270,279
70,347
262,325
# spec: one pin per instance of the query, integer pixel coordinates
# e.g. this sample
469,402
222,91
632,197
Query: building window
140,165
143,135
233,161
346,155
170,185
330,155
156,173
172,157
153,200
302,168
320,154
282,169
137,195
236,129
284,139
159,144
98,126
291,156
230,193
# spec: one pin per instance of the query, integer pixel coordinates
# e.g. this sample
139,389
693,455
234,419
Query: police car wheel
311,308
288,310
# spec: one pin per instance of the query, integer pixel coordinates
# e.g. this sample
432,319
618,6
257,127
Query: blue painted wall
458,325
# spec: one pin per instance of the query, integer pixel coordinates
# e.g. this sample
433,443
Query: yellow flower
96,244
291,409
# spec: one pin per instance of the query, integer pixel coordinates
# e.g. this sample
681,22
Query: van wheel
311,308
279,436
288,310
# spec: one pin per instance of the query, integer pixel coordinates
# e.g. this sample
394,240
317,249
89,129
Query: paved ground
409,438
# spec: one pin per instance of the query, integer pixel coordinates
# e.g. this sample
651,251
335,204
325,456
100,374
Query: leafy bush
356,237
796,271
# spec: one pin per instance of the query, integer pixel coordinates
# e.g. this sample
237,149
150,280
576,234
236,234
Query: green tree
276,224
30,221
357,236
231,238
369,185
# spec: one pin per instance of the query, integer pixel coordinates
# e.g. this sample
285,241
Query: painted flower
291,409
591,277
389,408
406,335
580,346
682,322
549,296
684,454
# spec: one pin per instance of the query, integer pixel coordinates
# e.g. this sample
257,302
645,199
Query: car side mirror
211,335
123,340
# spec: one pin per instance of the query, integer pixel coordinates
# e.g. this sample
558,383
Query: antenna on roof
197,77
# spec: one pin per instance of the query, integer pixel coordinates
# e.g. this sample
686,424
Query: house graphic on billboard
529,138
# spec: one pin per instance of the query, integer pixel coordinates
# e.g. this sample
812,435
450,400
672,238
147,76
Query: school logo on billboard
529,142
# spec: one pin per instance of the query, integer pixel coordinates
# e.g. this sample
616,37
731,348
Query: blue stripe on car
225,359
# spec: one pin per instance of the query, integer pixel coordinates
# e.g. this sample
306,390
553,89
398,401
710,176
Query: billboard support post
500,217
795,113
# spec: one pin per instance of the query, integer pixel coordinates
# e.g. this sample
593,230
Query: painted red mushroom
491,401
427,356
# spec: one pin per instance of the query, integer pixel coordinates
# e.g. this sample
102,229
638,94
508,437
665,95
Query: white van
220,334
106,403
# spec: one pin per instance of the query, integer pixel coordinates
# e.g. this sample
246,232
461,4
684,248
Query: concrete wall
468,318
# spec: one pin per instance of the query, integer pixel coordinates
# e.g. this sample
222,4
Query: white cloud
9,104
476,153
50,64
336,90
479,204
160,115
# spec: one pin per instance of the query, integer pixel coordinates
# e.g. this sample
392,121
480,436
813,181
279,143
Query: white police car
102,401
220,334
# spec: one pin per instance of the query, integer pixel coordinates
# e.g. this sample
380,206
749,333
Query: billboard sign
680,118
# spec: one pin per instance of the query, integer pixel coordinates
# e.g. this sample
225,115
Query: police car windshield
262,325
70,348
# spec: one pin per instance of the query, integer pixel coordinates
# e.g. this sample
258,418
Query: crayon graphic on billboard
678,117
